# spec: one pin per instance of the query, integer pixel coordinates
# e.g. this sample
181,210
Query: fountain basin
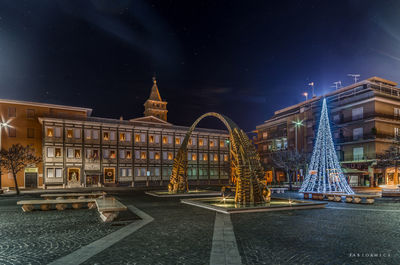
191,193
227,205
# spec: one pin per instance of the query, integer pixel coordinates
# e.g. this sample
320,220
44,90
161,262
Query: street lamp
5,125
306,95
297,123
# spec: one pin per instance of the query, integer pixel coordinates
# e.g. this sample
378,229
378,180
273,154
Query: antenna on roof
338,84
355,76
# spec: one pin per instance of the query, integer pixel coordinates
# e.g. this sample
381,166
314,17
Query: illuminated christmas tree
325,173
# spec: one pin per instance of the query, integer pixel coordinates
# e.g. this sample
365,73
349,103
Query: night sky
244,59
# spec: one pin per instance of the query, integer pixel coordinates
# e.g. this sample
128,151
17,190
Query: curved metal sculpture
245,165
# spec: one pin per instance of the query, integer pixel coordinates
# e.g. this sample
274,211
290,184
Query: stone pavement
183,234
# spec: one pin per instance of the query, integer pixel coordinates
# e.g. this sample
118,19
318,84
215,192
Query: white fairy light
325,173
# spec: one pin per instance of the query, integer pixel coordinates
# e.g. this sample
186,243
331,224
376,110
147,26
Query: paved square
183,234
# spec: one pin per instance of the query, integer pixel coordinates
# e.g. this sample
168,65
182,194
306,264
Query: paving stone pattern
321,236
40,237
179,234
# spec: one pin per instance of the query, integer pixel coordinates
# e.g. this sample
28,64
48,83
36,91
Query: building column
371,176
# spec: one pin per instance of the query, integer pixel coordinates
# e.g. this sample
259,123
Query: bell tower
154,105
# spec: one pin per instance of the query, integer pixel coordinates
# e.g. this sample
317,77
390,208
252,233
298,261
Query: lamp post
2,124
297,123
306,95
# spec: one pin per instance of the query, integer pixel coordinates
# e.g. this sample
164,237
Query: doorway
31,180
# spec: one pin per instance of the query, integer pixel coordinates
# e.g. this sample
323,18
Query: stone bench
278,190
109,208
72,195
357,198
59,204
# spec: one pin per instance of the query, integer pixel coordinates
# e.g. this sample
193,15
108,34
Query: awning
353,171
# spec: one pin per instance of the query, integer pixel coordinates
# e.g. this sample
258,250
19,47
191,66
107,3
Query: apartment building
79,150
365,121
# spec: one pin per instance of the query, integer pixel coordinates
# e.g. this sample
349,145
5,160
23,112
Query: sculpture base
227,205
191,193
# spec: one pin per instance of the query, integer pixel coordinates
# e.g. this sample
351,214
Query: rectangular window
143,137
70,153
122,154
57,152
211,143
201,142
137,155
396,112
215,157
336,117
50,151
30,113
157,139
106,136
264,135
49,132
122,172
357,134
157,172
143,155
225,158
170,156
69,133
221,143
30,132
151,139
12,112
164,140
95,134
128,136
128,154
156,155
112,136
164,155
77,133
88,134
106,153
50,172
113,154
151,154
129,172
194,157
137,138
58,172
122,137
177,140
12,132
358,153
205,157
396,132
77,153
357,113
57,132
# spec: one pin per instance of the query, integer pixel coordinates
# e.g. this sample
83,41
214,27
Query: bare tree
16,158
291,161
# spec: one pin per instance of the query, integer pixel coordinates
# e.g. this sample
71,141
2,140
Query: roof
150,119
154,94
46,105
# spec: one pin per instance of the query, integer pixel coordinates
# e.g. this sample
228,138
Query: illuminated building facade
365,119
79,150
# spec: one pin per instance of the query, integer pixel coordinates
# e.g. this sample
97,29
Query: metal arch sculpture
245,164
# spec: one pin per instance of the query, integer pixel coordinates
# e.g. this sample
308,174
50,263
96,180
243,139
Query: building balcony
365,137
366,116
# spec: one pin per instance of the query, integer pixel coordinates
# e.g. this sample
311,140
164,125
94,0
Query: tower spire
154,105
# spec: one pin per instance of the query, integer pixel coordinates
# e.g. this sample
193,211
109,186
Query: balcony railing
367,116
365,137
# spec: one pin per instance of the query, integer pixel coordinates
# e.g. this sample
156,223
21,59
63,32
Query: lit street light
5,125
306,95
297,123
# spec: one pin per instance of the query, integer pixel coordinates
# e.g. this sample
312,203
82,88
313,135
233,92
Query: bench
72,195
357,198
60,204
278,190
109,208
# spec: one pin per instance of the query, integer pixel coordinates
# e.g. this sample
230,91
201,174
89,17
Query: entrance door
390,179
30,180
